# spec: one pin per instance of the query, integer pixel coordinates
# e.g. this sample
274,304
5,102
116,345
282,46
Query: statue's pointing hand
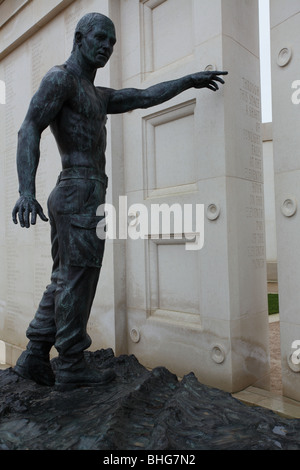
208,79
25,206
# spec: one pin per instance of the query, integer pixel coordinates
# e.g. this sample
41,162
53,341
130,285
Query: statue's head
95,38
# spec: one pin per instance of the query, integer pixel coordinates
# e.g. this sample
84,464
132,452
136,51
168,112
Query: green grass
273,303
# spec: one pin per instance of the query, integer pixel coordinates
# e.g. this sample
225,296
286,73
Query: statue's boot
34,364
74,372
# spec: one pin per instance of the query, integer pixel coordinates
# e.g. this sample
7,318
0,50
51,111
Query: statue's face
97,45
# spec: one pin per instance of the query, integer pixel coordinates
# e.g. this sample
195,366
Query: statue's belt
82,173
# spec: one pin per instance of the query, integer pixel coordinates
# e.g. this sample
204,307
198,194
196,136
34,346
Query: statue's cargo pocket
86,249
64,199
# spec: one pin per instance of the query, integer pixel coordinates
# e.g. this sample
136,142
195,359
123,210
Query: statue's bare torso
79,127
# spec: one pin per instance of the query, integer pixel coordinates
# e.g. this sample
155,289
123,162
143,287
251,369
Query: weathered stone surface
141,409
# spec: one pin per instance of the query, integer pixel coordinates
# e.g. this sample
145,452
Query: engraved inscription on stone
250,100
254,211
10,71
71,17
13,311
11,183
37,63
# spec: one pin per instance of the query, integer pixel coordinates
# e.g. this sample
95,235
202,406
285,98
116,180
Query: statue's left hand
208,79
25,206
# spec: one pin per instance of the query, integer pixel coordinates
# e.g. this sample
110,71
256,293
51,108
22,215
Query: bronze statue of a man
76,111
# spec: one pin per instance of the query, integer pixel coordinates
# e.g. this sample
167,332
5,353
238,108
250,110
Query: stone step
283,406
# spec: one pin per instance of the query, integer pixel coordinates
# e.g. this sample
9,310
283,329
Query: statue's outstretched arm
121,101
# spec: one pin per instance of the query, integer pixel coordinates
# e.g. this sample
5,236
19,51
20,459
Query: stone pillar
285,43
206,310
243,199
